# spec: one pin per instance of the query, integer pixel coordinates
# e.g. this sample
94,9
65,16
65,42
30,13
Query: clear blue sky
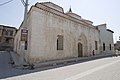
98,11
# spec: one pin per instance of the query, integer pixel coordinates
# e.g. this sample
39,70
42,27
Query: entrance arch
80,50
82,45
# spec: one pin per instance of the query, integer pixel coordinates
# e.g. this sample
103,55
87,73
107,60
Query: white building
106,39
54,34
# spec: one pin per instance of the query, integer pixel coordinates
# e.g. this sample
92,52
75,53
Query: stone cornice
61,14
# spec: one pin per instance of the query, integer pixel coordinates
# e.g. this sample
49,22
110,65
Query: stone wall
46,26
45,23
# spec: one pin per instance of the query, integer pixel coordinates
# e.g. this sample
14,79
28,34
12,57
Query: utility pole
25,13
25,3
24,32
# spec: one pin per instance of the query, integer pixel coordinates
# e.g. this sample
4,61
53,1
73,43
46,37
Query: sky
98,11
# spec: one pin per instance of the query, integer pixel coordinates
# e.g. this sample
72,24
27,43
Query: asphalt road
100,69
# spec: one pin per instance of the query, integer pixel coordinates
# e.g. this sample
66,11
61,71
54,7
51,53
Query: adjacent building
52,34
106,39
117,45
7,34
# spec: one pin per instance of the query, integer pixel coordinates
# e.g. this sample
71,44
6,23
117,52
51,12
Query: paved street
100,69
108,72
6,69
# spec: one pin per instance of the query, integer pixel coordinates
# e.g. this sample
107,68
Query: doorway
80,50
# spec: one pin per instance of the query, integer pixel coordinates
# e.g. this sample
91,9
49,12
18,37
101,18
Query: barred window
110,46
59,42
96,46
103,46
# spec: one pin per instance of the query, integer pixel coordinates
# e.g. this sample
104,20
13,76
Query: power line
6,2
23,2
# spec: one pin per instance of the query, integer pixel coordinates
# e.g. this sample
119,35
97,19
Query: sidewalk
60,63
19,62
8,70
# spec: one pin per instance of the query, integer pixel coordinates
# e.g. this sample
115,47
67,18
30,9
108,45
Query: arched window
59,42
96,46
103,46
110,46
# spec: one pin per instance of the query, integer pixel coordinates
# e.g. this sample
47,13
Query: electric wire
23,2
6,2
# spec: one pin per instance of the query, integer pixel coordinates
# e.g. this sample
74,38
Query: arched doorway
82,45
80,50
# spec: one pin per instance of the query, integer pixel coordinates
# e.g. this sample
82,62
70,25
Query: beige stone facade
7,34
54,34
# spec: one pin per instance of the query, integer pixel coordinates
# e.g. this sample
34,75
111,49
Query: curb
59,63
